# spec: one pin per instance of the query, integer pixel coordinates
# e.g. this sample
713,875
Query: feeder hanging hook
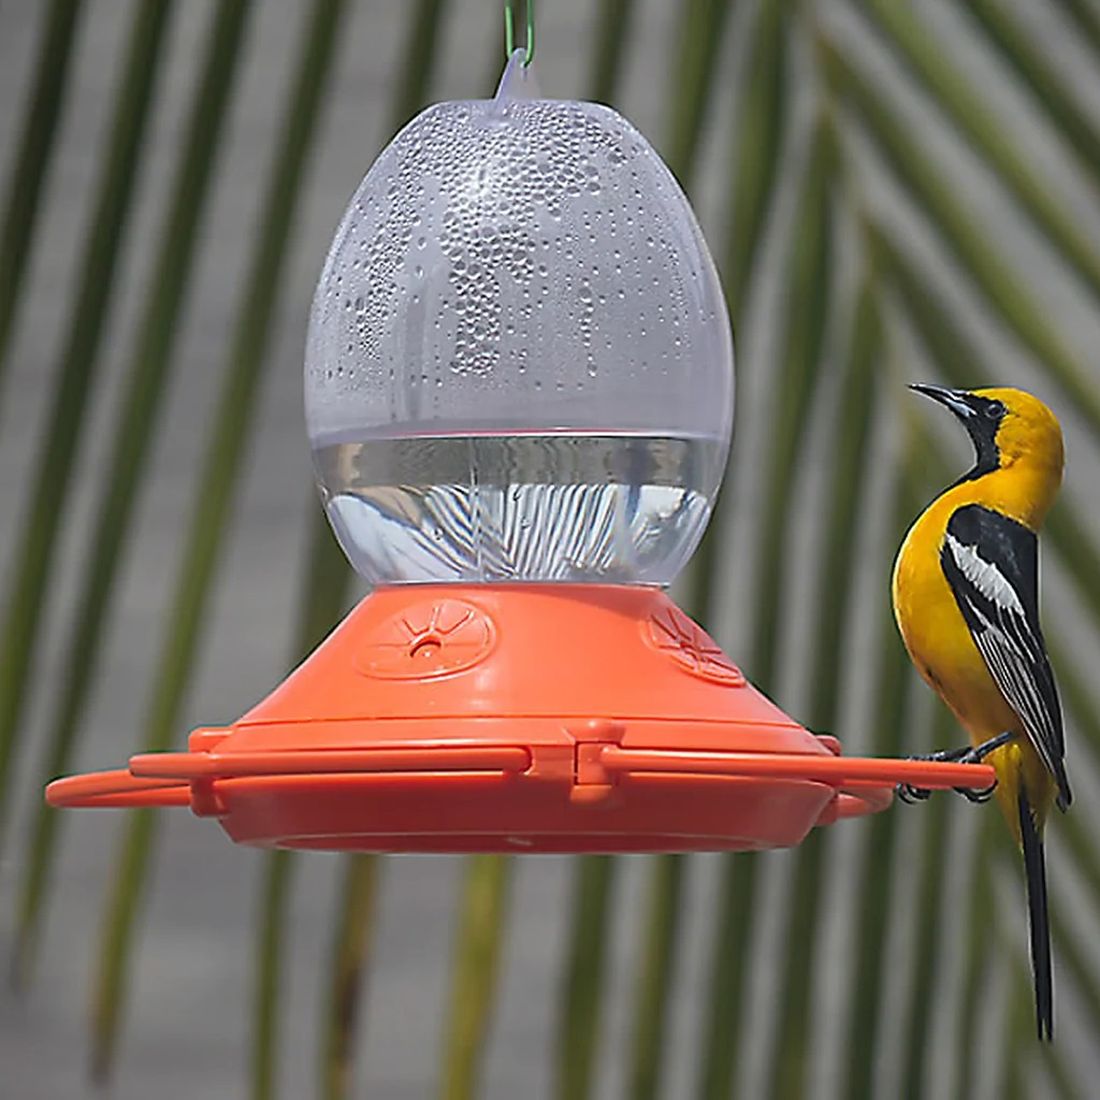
510,28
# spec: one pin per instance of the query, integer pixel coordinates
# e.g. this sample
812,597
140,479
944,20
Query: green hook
510,29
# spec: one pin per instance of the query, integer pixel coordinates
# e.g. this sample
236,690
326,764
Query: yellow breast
936,635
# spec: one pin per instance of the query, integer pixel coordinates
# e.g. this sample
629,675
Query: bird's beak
958,401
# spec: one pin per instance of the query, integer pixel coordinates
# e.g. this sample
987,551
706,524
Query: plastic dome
519,364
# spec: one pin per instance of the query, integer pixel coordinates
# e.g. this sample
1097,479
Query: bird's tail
1038,920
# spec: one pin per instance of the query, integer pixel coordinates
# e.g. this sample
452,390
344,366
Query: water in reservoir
614,508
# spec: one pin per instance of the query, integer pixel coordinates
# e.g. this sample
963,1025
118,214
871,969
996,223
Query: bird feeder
519,393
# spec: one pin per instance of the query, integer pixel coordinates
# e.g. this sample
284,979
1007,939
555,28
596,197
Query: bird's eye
995,410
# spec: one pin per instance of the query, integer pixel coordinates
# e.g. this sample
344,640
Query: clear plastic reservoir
519,364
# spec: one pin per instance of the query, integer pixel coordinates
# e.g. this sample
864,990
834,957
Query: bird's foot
946,756
909,794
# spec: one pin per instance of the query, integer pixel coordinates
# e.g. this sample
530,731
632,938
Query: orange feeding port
515,718
519,393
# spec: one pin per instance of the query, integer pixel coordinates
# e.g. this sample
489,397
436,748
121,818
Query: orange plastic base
541,718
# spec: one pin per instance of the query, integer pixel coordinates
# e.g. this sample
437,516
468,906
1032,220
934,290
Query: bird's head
1007,427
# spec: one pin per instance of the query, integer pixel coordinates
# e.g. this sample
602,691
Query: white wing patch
1011,651
984,576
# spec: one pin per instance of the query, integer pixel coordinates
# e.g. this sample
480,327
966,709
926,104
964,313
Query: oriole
965,592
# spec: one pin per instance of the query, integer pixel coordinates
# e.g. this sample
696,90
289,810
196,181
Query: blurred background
892,192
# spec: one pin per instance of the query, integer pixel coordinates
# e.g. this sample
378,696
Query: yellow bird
966,599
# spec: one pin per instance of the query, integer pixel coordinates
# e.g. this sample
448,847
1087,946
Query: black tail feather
1065,795
1038,920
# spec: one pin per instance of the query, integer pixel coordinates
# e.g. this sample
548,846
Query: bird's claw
910,794
983,794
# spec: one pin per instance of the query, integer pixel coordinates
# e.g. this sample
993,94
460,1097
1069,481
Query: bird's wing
991,563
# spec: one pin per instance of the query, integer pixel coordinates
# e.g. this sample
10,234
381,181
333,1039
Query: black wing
992,565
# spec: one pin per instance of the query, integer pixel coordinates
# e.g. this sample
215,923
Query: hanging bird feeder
519,391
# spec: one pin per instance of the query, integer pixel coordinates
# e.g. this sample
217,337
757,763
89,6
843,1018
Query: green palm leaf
791,397
76,372
1006,291
578,1020
787,1073
927,952
612,37
323,596
893,688
1086,20
148,378
579,1007
758,126
1040,75
267,995
758,136
979,123
477,956
350,947
655,976
324,590
32,160
701,31
212,507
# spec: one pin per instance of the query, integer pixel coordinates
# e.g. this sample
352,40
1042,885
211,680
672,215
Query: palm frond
700,41
147,385
976,120
892,693
1086,20
758,128
211,509
976,913
655,975
1040,76
578,1019
701,32
759,124
1005,290
791,400
341,1003
323,593
787,1073
927,951
579,1004
478,946
32,160
77,371
612,38
267,996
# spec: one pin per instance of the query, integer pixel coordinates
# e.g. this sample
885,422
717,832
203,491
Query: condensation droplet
538,252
